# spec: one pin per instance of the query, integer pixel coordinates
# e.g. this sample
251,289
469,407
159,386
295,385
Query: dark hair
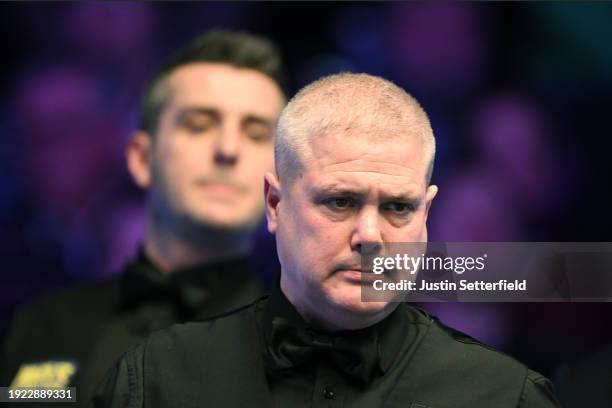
239,49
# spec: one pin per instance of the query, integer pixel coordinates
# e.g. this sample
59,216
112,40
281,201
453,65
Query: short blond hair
350,103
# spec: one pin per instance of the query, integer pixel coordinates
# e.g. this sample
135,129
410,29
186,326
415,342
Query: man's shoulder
457,354
461,348
59,315
210,351
54,326
470,372
200,360
215,332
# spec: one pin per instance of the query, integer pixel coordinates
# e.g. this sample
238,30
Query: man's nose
367,235
227,146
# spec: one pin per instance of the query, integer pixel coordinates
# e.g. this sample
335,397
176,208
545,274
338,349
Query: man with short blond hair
354,155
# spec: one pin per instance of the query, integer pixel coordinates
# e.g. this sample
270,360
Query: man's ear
431,192
272,194
138,155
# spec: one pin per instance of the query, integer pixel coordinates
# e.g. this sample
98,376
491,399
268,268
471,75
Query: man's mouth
356,275
219,188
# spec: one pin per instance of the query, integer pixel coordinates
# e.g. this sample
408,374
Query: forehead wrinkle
353,176
368,166
371,173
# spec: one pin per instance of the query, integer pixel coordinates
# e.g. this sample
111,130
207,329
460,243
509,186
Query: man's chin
354,305
368,308
355,315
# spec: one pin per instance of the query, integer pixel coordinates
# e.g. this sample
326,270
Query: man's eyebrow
343,188
411,199
335,189
402,197
248,119
200,110
205,110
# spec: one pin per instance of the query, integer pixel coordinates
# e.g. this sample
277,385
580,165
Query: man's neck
335,319
170,250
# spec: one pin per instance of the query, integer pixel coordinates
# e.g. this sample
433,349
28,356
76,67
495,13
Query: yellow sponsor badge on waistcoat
45,374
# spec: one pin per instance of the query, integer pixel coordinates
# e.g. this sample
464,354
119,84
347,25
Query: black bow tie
354,353
143,283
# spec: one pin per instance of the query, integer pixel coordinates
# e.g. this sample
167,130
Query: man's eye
341,203
258,132
398,208
197,124
259,136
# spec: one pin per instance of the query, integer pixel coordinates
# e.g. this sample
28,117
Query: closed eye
257,129
198,121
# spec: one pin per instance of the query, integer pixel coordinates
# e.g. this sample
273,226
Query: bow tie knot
355,354
145,283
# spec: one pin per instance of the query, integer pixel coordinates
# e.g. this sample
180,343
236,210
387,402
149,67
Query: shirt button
328,392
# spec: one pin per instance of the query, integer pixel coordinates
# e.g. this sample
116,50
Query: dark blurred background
519,96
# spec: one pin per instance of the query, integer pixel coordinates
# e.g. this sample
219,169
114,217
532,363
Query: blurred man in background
205,142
